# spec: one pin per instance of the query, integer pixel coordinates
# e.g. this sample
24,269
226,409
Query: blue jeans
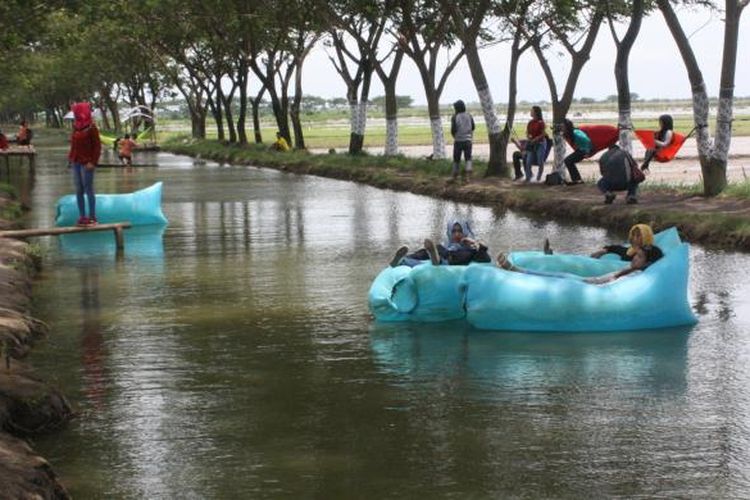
84,183
534,155
606,187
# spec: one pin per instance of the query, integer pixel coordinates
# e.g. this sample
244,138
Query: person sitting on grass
460,250
280,144
641,253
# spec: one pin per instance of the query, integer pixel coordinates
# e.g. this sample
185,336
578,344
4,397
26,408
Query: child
462,130
126,146
85,148
581,148
662,138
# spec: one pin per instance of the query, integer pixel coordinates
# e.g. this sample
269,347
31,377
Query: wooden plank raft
121,165
19,151
116,227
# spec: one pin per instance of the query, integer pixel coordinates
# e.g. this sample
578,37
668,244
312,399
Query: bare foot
432,251
399,256
547,247
502,261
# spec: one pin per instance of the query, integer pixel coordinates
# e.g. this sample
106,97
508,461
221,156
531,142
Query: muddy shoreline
720,222
28,405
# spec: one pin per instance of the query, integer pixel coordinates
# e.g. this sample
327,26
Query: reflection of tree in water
538,406
92,339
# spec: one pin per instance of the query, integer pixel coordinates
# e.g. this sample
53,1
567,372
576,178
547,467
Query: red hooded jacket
85,145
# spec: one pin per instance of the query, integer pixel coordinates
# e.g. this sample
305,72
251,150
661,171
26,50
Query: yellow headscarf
647,236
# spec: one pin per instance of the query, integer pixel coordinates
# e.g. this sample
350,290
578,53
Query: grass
332,163
8,190
259,154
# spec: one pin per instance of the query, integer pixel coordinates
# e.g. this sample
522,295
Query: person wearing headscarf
85,149
460,249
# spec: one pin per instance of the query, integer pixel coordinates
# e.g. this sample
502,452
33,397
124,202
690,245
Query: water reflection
232,354
140,242
93,349
655,361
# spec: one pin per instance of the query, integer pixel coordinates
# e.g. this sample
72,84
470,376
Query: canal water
232,355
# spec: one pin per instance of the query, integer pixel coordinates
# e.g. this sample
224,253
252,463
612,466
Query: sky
656,68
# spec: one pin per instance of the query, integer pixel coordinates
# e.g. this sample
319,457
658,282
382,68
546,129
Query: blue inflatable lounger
495,299
140,208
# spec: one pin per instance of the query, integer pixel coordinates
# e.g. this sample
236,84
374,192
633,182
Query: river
233,356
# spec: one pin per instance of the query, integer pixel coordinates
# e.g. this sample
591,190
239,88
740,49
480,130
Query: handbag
636,174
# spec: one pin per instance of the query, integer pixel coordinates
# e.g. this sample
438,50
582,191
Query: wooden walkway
19,152
116,227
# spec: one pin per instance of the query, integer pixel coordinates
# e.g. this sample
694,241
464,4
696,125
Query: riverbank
28,406
720,222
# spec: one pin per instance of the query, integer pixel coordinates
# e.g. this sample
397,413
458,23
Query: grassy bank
10,208
723,221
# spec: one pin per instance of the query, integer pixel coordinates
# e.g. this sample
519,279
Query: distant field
335,133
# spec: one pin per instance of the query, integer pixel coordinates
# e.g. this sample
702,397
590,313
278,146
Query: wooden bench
117,227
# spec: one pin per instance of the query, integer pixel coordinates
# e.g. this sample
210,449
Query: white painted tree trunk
700,117
353,115
488,109
559,149
438,139
625,124
361,119
391,137
723,129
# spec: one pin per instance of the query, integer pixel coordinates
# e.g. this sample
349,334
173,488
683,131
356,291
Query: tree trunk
497,164
242,112
227,100
391,118
624,119
436,126
256,116
299,137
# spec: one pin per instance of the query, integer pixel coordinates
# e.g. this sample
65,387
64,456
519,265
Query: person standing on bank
462,130
85,149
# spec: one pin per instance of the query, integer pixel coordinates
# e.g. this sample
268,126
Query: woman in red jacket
85,148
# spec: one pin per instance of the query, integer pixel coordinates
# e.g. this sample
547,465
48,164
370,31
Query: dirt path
683,170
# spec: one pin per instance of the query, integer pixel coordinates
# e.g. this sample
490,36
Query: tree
423,30
468,21
568,22
712,154
634,12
